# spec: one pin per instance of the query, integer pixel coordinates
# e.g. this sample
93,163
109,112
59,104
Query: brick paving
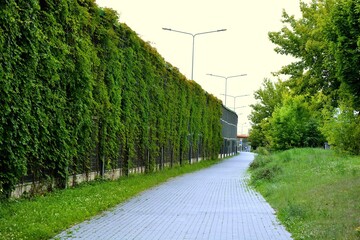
213,203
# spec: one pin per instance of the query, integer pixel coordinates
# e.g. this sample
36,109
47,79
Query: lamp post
235,97
242,127
226,78
193,43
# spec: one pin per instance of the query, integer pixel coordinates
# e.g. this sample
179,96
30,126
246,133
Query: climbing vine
80,92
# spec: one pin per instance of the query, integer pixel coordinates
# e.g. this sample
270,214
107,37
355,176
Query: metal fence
167,157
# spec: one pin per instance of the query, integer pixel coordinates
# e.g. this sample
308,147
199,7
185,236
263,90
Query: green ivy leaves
81,92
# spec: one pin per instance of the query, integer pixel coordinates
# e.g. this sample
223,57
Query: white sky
243,49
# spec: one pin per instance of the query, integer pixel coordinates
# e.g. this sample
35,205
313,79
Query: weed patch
266,173
260,161
314,191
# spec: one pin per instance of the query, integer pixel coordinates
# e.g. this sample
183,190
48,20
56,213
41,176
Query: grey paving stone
214,203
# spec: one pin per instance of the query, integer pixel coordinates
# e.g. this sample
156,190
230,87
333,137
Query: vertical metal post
193,35
192,64
197,153
226,78
162,158
234,103
190,150
225,90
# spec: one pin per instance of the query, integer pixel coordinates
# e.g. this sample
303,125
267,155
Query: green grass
45,216
315,192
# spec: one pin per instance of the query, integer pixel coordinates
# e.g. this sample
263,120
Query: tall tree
304,39
343,35
269,98
325,42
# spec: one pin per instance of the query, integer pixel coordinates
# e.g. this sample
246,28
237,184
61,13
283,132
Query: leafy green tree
294,125
305,40
257,135
343,35
325,43
269,98
341,126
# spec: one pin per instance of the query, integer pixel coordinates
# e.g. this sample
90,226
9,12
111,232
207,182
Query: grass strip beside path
45,216
315,192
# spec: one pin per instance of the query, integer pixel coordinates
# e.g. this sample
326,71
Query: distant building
243,144
229,121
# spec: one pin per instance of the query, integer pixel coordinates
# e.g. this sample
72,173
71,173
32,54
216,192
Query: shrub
265,173
262,151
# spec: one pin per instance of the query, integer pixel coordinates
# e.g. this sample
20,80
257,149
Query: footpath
214,203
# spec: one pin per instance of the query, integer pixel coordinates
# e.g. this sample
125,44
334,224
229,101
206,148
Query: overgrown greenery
325,77
43,217
76,85
315,192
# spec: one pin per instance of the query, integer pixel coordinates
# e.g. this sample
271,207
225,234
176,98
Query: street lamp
193,43
237,97
226,78
242,127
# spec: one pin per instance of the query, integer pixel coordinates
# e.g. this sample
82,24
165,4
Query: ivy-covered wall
80,91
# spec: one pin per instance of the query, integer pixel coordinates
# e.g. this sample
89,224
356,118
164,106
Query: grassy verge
45,216
315,192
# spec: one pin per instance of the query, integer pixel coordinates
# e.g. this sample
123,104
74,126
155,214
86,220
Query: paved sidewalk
214,203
